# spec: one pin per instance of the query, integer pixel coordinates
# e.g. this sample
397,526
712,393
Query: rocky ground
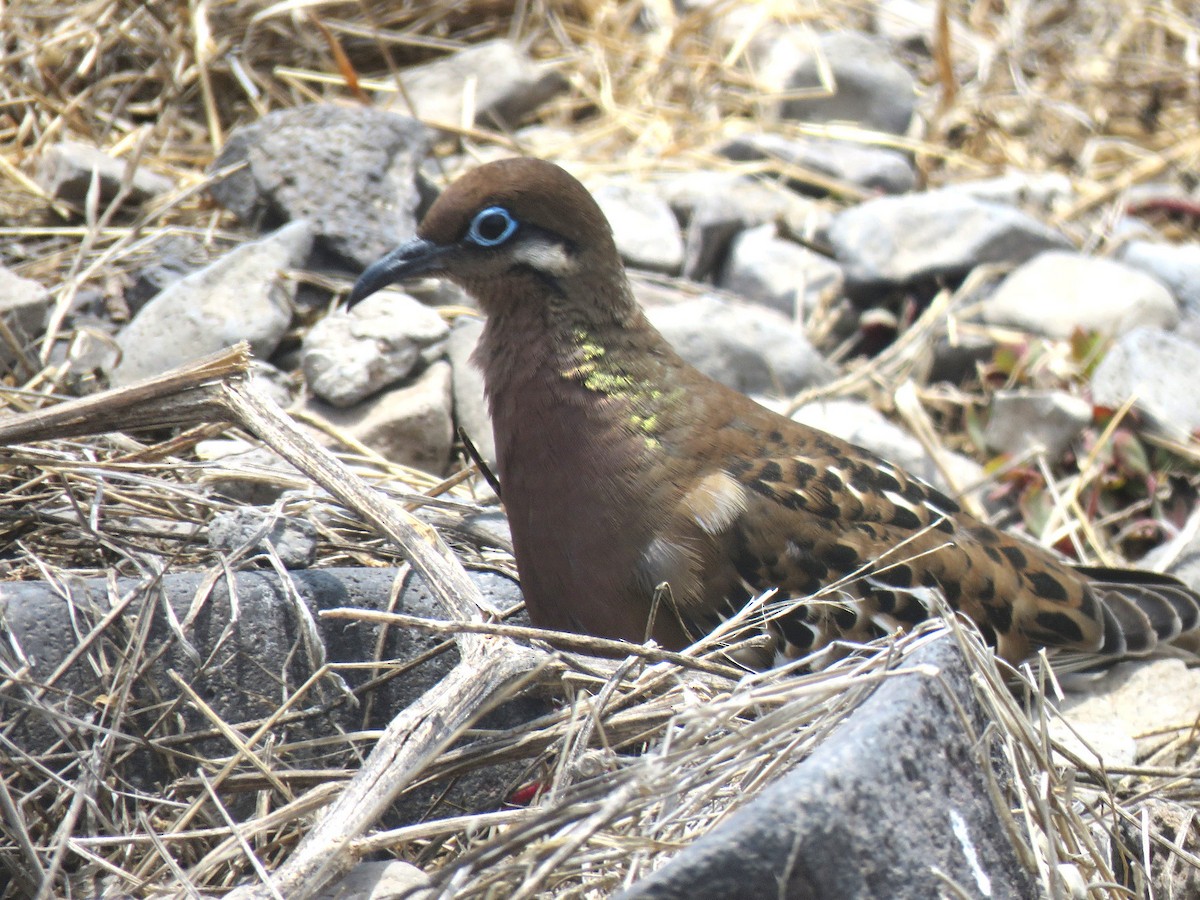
962,235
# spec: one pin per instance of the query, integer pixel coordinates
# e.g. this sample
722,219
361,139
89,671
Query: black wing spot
845,617
903,517
953,592
1060,626
910,610
842,557
934,497
1015,556
770,471
739,467
802,472
885,601
794,630
1000,617
898,575
1046,586
887,482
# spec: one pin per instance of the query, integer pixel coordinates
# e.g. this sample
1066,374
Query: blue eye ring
491,227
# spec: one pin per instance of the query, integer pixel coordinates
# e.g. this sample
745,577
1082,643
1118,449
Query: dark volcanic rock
894,804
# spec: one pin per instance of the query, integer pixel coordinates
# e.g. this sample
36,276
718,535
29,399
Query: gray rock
281,387
876,169
869,88
246,472
956,356
24,306
1124,713
890,242
172,257
862,424
349,355
351,171
778,273
489,528
715,206
241,296
1041,191
895,804
752,201
251,529
391,879
1172,877
502,81
751,349
1056,293
1156,367
1175,265
1028,420
66,171
242,658
410,425
645,229
470,402
92,354
706,238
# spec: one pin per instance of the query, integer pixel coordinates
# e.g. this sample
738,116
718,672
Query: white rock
1136,704
349,355
1021,421
24,305
1057,292
379,880
747,347
1046,191
645,229
1158,368
410,425
470,402
1175,265
241,296
778,273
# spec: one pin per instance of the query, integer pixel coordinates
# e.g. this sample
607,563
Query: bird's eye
491,226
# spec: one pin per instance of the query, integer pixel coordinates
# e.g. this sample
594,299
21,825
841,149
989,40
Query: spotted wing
870,542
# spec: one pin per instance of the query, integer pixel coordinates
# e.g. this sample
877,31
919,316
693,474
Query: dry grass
1106,93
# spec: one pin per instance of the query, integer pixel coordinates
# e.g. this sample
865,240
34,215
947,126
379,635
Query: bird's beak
416,257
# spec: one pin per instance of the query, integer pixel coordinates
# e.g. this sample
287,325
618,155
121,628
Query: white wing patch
716,502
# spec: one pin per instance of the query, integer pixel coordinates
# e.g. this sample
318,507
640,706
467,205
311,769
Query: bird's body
647,500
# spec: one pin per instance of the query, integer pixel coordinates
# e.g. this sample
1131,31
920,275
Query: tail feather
1114,634
1144,610
1187,607
1137,632
1159,609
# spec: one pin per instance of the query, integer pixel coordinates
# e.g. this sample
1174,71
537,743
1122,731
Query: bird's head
507,232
